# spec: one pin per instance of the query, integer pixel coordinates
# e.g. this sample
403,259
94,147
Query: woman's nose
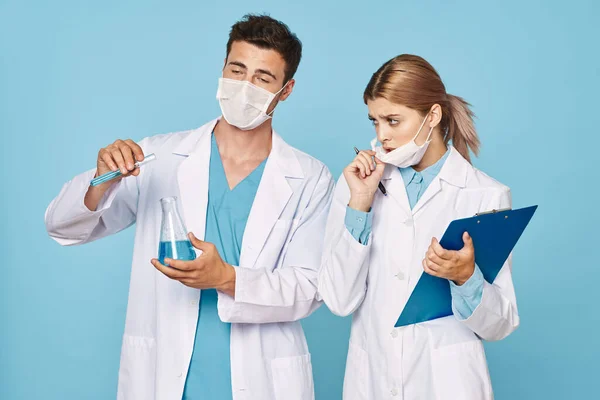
382,138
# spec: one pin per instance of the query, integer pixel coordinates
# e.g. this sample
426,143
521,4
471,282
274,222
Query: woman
377,246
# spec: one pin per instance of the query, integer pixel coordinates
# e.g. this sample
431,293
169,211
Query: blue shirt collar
408,174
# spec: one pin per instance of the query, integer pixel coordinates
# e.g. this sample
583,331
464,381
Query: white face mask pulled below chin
243,104
408,154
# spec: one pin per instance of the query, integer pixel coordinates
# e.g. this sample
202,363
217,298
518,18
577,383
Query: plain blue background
75,76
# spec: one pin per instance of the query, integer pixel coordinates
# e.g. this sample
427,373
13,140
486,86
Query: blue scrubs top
209,375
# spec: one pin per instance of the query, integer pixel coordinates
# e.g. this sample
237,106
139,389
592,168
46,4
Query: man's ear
287,91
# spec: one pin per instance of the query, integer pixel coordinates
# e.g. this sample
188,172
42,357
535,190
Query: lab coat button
180,375
408,222
400,275
394,392
394,333
194,303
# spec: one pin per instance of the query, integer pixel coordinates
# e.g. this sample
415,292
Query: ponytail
460,128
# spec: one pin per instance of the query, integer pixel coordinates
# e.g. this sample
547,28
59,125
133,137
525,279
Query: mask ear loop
274,95
429,135
421,127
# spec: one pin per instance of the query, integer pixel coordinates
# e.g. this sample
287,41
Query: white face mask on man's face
408,154
243,104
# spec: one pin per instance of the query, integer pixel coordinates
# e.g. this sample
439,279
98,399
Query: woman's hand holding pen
363,175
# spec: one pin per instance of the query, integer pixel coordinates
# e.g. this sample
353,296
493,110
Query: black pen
380,186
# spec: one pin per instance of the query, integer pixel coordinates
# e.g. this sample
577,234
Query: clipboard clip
493,211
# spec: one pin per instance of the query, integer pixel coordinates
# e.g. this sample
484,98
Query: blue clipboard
494,234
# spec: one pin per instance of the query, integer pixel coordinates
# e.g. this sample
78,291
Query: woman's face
397,125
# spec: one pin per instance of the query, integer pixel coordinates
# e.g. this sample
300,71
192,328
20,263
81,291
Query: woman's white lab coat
440,359
276,280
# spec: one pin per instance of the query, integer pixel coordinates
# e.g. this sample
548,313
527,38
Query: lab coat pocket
292,378
460,372
357,374
138,363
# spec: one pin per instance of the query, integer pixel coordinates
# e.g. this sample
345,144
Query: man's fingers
179,264
188,282
199,244
137,150
106,157
115,152
195,241
127,155
172,273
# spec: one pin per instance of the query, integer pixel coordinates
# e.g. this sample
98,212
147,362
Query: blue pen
115,174
380,186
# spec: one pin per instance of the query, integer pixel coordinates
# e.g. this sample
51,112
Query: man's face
264,68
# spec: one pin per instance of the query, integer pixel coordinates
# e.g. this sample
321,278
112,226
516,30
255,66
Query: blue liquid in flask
179,250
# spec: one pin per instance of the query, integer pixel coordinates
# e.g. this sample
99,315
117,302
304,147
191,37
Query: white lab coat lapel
433,189
271,198
193,179
394,186
273,194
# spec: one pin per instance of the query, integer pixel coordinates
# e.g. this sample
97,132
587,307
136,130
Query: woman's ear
435,115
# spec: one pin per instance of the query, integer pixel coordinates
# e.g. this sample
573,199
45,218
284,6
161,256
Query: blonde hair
411,81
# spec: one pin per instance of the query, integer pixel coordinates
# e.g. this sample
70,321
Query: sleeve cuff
466,298
356,219
471,288
76,210
359,224
227,306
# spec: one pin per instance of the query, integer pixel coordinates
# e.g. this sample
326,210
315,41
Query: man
225,325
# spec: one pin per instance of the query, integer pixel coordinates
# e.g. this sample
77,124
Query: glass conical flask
173,235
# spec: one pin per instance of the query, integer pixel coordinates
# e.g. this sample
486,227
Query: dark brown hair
412,82
268,33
